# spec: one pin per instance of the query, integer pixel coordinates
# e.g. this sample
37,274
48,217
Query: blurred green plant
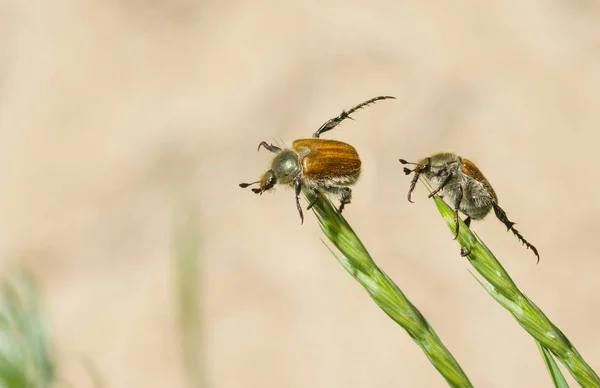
502,288
26,356
357,261
187,279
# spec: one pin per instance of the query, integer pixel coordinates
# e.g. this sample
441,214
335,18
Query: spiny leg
444,183
332,123
270,147
509,224
345,197
413,183
298,187
459,195
316,194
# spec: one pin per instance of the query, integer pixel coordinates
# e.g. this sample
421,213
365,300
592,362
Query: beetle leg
459,195
310,205
332,123
298,191
509,224
418,171
346,197
413,183
467,221
270,147
444,183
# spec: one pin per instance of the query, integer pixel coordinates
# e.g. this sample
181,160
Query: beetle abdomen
328,160
472,171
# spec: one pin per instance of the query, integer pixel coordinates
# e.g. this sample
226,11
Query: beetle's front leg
270,147
298,186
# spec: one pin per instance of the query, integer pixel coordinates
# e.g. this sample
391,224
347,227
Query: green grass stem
187,266
555,374
357,261
502,288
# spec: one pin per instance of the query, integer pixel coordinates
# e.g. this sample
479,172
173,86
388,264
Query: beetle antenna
334,122
510,225
407,171
244,185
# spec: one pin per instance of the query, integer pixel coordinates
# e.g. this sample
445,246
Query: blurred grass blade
502,288
95,377
357,261
557,377
187,268
26,358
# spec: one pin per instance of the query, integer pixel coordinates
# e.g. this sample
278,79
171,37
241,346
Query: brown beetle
319,165
463,185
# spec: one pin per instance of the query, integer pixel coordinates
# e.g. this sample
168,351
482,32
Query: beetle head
424,165
267,182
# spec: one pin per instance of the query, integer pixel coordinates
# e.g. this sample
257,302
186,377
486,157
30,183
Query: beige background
110,110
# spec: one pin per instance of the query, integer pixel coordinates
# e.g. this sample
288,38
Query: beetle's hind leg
345,194
501,215
332,123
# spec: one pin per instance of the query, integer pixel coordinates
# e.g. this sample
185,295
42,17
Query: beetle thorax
286,166
439,165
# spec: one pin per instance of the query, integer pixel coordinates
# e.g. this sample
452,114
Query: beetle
319,165
461,183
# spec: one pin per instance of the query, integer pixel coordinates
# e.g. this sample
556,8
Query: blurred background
126,127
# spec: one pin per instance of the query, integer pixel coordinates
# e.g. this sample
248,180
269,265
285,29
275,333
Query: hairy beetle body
460,182
477,193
